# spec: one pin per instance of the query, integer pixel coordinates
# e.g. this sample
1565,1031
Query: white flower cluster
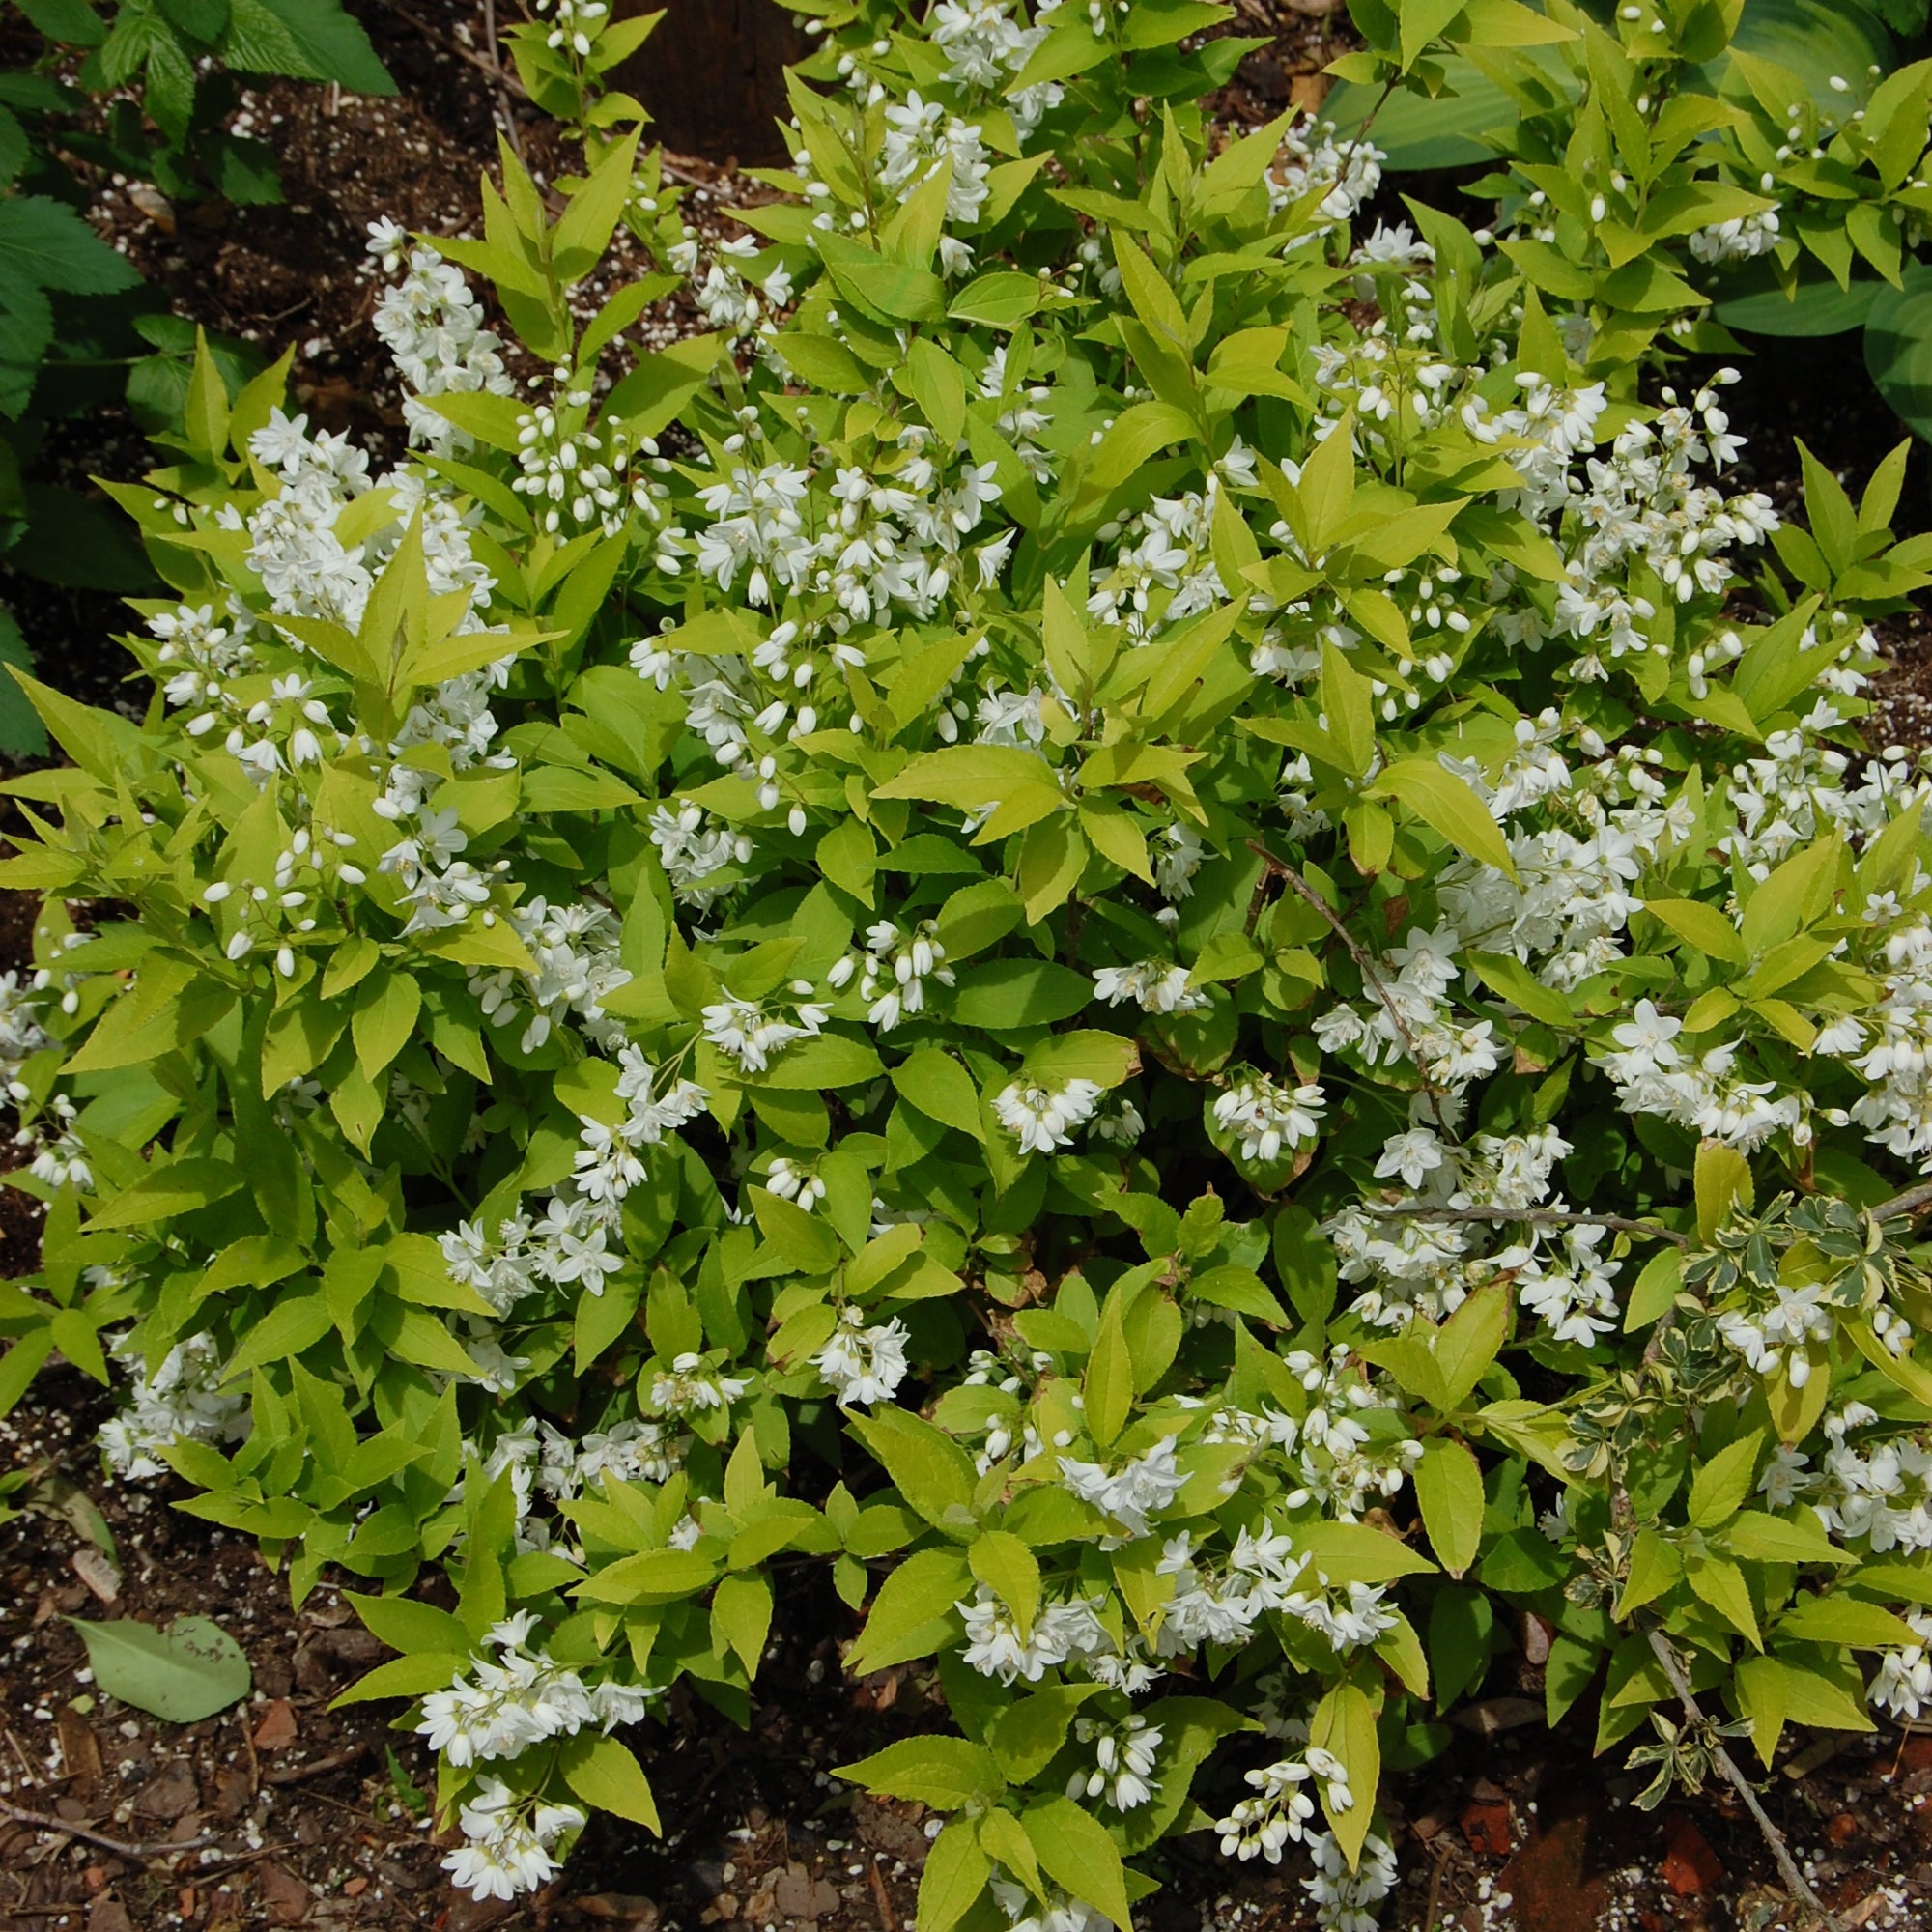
1060,1913
988,46
904,961
572,468
1155,986
1410,1261
755,1033
1141,1487
182,1401
1220,1601
691,1387
1344,171
1654,1075
1903,1686
1738,240
21,1034
1125,1756
1345,1900
1877,1494
921,139
997,1645
692,849
542,1461
518,1699
508,1841
433,326
577,25
1283,1805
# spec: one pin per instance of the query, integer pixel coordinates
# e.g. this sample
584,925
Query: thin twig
1370,975
495,70
888,1922
1913,1201
39,1821
241,1859
316,1767
1549,1217
1799,1885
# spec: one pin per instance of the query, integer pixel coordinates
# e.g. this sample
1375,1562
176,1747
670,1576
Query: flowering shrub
981,927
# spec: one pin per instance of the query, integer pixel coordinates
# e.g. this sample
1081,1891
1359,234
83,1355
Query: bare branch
38,1820
1371,974
1913,1201
1545,1217
1796,1883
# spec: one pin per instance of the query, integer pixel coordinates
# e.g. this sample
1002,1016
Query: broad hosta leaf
1898,347
185,1673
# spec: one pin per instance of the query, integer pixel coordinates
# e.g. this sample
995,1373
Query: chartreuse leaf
1109,1384
1654,1567
1655,1290
933,1472
1719,1489
945,1773
1074,1851
1723,1181
1469,1342
1007,1568
1449,1489
913,1614
1344,1725
1448,803
606,1775
1027,1734
954,1878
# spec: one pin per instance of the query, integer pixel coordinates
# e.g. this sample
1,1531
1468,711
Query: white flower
509,1842
1042,1119
183,1401
1124,1761
1271,1119
1341,1897
997,1647
1131,1493
1903,1686
1414,1156
1283,1806
689,1386
1155,985
863,1365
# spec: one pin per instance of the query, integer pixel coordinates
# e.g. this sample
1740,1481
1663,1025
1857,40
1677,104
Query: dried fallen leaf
108,1915
1486,1827
96,1573
1538,1633
278,1730
80,1751
286,1896
156,207
624,1908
